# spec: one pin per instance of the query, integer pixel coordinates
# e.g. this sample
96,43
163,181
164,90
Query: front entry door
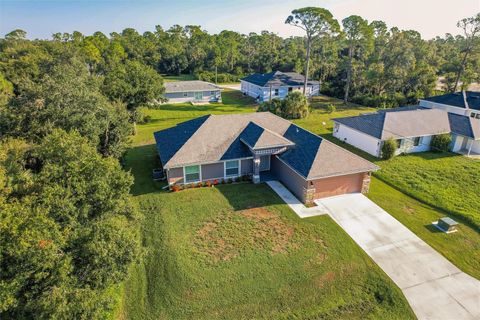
198,96
265,163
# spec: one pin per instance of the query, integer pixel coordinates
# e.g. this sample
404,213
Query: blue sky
41,18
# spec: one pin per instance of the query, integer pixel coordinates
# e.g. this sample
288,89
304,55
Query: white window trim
225,169
199,174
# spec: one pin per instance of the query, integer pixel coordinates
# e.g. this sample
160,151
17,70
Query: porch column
256,169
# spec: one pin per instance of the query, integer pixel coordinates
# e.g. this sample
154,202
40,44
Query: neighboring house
412,128
267,86
465,103
192,91
264,146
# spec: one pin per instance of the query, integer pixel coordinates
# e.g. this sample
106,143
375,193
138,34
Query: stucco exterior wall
474,144
290,179
246,167
185,97
175,175
212,171
357,139
408,147
263,93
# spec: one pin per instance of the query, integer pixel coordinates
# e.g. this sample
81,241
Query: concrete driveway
433,286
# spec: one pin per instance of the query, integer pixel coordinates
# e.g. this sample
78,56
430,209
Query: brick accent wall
366,182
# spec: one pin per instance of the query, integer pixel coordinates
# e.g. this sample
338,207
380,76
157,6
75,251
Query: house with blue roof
277,85
465,103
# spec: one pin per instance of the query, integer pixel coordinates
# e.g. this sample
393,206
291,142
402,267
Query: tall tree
316,22
358,33
471,31
67,229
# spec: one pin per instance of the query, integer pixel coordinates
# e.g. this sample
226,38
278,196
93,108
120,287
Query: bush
208,183
331,108
142,116
388,149
175,188
295,106
275,106
221,77
215,182
441,142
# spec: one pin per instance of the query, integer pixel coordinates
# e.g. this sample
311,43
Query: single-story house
267,86
192,91
465,103
263,146
412,128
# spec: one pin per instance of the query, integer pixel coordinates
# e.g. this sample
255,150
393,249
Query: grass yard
319,115
168,115
239,252
462,248
444,180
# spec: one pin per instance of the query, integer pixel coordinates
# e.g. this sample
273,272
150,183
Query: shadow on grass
247,195
140,161
430,227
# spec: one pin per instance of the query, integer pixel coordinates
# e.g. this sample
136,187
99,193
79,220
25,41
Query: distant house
266,86
265,147
192,91
465,103
412,128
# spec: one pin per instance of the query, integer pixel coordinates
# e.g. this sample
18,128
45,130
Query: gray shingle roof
189,86
465,126
398,124
218,137
277,78
456,99
257,137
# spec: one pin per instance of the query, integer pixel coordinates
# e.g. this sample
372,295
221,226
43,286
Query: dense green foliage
388,148
294,106
364,61
66,230
441,142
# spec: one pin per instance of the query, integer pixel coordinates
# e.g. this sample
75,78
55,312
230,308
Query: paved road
234,86
433,286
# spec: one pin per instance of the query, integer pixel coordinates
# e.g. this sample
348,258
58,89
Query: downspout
465,102
470,149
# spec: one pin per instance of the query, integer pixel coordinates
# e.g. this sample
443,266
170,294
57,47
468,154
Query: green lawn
208,256
462,248
443,180
168,115
239,252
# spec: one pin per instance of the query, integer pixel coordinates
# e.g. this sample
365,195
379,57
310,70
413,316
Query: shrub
441,142
223,181
215,182
388,149
331,108
200,184
229,180
238,179
295,106
142,116
208,183
175,188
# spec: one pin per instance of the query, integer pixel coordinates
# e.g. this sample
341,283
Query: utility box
447,225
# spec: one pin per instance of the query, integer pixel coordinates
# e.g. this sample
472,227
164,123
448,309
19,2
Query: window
399,143
185,94
192,173
336,127
290,89
212,93
276,92
477,116
232,168
416,141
